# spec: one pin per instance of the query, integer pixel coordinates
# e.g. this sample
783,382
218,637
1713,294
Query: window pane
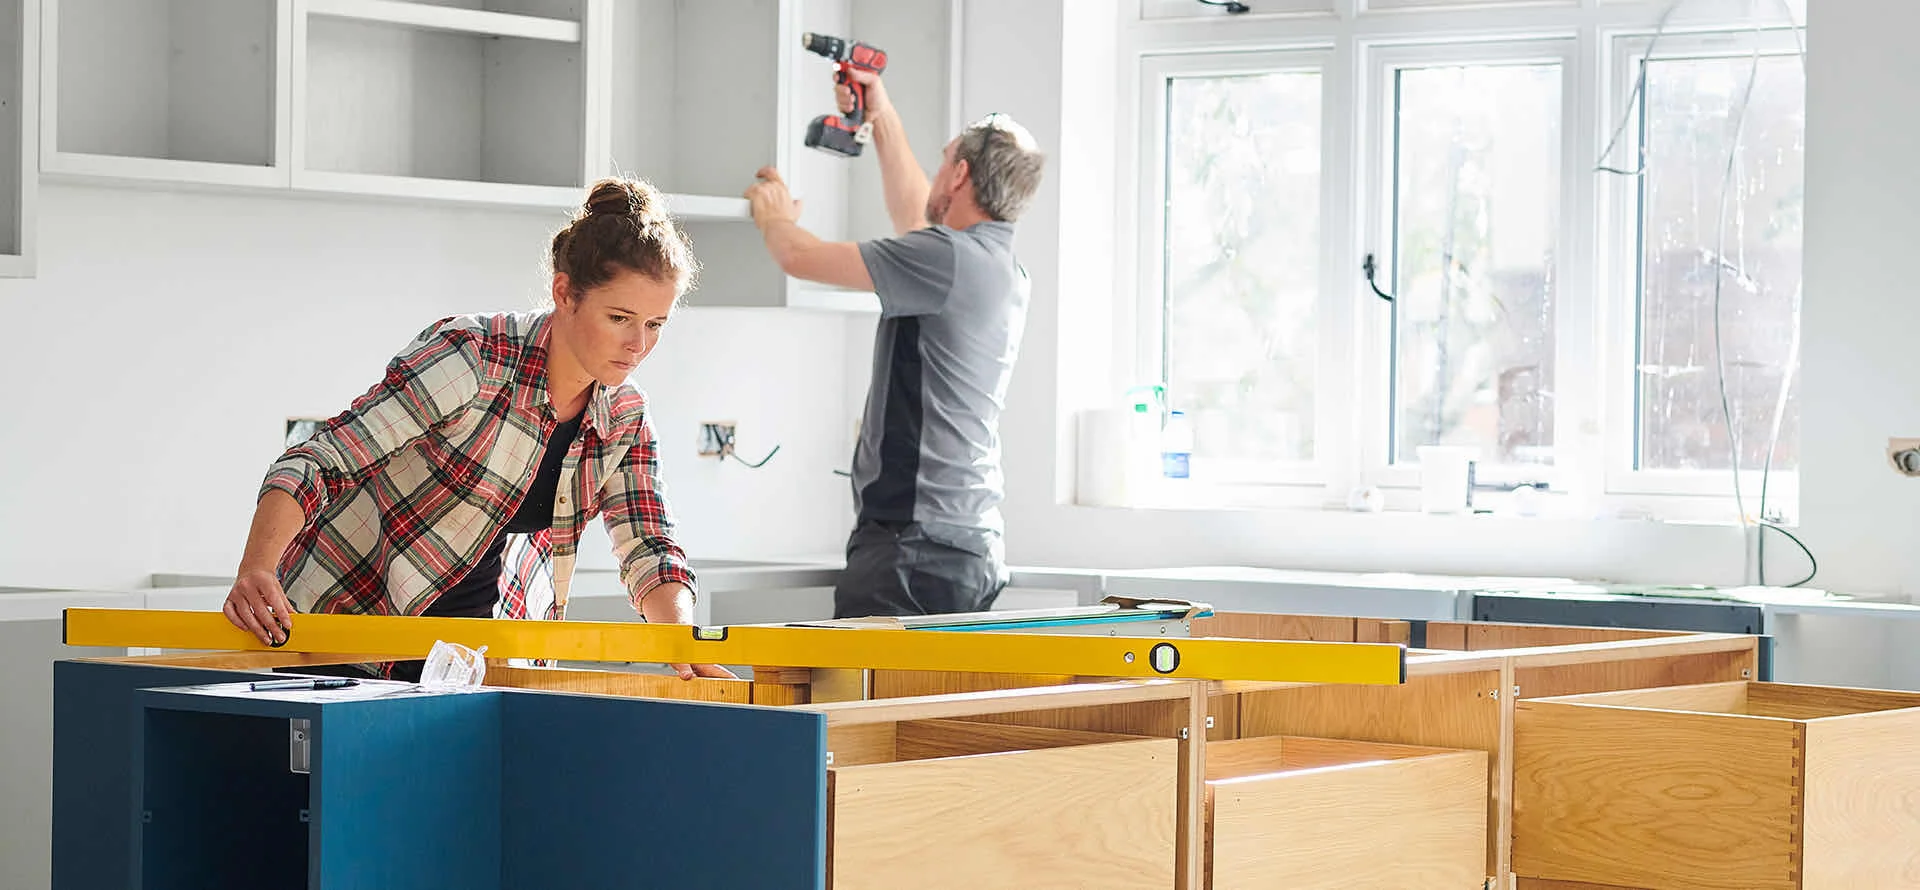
1755,260
1477,217
1242,262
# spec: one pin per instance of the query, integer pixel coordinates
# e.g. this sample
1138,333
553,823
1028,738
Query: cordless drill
844,134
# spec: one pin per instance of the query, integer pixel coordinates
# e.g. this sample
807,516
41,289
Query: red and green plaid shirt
405,489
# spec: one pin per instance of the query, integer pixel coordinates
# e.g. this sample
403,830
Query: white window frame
1571,300
1158,37
1619,278
1310,476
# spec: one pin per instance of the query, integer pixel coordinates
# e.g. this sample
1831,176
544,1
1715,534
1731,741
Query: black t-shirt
476,593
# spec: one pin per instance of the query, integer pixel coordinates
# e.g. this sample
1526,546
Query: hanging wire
1633,102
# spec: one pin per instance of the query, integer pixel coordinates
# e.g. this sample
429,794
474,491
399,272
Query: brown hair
623,226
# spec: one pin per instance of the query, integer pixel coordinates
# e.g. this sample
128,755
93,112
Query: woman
459,484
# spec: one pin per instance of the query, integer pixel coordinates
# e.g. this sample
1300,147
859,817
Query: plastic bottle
1176,447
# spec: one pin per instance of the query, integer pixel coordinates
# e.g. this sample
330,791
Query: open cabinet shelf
841,197
412,100
19,162
519,103
475,22
169,90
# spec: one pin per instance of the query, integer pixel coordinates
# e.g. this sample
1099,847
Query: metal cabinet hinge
299,746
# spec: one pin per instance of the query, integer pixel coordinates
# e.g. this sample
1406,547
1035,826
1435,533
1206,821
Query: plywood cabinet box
1462,684
928,777
1758,786
954,804
1304,813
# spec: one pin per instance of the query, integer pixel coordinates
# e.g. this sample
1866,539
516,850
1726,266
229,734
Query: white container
1119,457
1446,471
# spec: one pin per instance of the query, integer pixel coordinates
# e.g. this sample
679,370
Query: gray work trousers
905,568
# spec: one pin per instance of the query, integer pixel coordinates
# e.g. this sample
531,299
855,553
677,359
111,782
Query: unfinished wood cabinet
954,804
1725,785
1460,693
1306,813
1110,770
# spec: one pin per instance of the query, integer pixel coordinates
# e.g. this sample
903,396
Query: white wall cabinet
841,197
502,102
19,134
165,90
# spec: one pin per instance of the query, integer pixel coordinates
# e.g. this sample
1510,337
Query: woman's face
611,328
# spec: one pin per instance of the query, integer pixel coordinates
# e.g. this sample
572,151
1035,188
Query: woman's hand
257,605
673,604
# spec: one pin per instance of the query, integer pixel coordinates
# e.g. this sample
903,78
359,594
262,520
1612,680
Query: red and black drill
844,134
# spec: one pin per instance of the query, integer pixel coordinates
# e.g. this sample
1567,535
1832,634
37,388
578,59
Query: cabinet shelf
164,90
708,207
449,19
19,135
508,103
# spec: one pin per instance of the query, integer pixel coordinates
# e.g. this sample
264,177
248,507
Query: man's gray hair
1004,163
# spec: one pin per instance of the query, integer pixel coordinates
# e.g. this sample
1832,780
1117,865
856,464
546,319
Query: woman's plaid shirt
404,489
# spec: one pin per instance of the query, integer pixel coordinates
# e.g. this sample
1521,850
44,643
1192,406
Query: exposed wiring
1233,7
1633,102
1786,383
1813,565
1721,266
763,461
1720,250
718,442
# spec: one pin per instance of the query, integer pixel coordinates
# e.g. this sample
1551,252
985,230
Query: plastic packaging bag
453,667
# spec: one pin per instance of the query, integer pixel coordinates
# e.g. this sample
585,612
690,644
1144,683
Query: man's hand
258,605
770,200
878,103
673,604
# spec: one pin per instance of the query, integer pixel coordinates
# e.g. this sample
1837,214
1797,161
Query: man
927,483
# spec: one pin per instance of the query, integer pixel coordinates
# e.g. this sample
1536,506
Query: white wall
1861,318
1862,187
150,365
156,312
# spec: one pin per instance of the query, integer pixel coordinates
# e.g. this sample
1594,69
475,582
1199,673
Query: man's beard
937,209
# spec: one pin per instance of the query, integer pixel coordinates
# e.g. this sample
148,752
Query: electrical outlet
716,438
1904,455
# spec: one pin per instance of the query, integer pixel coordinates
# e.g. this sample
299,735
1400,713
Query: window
1719,262
1237,301
1568,325
1475,153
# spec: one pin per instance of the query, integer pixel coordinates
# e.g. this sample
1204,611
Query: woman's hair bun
619,197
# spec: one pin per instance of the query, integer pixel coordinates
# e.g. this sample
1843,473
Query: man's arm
799,252
901,178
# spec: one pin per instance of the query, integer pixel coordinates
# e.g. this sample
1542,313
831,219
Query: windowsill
1190,495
